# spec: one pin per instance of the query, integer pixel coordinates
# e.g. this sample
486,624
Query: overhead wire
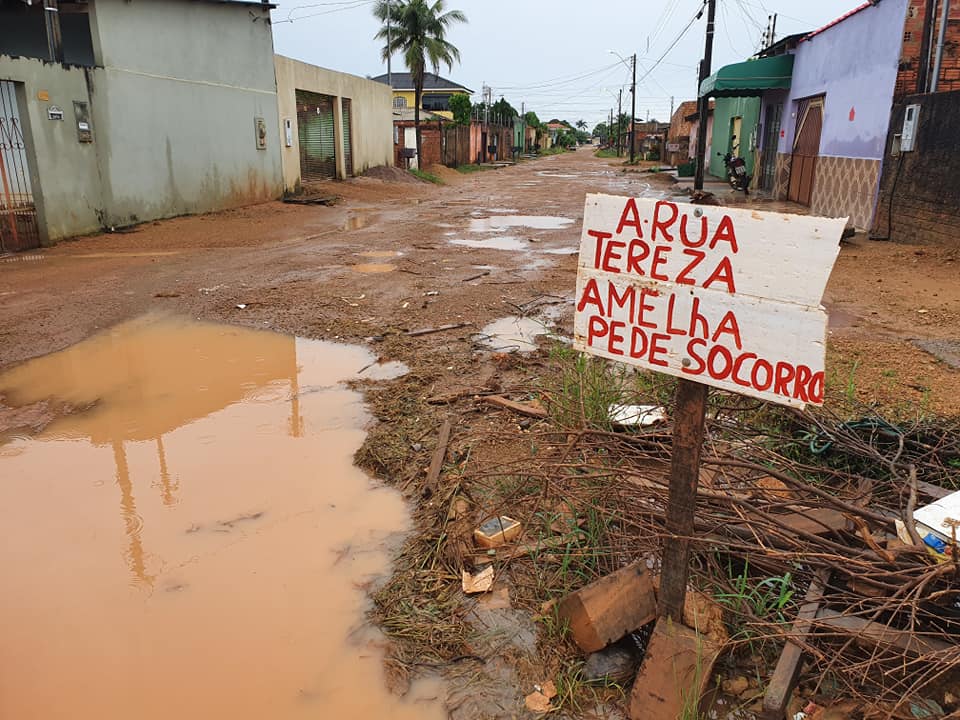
341,6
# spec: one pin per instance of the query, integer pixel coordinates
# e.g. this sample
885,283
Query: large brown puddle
195,545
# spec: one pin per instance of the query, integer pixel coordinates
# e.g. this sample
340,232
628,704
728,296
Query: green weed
429,177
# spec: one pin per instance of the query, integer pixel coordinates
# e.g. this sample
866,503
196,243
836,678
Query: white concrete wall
371,115
63,171
174,106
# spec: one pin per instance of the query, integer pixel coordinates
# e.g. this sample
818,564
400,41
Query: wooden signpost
717,297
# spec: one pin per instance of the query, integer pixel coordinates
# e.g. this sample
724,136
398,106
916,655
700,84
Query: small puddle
536,222
379,254
546,173
358,222
196,543
513,334
373,268
502,242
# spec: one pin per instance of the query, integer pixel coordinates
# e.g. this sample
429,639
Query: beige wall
372,115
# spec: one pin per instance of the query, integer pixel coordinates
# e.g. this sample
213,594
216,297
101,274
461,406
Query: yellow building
437,92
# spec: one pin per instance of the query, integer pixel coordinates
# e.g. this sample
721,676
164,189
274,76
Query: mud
196,543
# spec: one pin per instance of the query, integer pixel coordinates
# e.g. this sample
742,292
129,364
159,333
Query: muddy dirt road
400,256
391,258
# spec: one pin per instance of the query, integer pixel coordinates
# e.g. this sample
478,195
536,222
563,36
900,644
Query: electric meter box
908,136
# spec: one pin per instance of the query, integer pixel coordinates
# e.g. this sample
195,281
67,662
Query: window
396,135
399,102
436,102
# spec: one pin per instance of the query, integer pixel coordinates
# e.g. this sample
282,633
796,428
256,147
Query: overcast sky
554,54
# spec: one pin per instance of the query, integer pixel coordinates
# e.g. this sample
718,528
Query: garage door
318,154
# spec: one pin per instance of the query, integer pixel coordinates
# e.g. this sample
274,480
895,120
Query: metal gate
18,213
347,146
771,136
806,149
318,154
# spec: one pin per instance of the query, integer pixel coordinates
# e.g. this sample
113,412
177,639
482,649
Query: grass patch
468,169
606,153
552,151
429,177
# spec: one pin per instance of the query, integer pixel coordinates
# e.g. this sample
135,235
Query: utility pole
389,46
633,112
51,12
941,36
619,115
703,102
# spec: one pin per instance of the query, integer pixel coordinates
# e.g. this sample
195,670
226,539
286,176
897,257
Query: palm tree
417,30
582,125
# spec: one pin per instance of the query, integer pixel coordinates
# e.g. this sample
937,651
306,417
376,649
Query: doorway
771,137
806,149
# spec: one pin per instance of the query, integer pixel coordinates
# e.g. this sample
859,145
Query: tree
504,110
531,119
460,107
417,30
601,131
581,124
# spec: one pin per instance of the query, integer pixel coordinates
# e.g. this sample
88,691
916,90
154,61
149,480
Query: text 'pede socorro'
725,297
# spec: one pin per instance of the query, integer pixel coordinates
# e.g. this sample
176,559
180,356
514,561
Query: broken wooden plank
676,670
872,634
439,328
813,521
531,409
784,679
610,608
436,462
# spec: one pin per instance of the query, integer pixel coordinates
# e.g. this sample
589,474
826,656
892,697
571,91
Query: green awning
751,78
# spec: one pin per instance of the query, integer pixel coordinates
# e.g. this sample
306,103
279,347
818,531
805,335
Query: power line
343,5
674,43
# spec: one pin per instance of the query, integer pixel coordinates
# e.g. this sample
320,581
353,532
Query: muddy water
513,333
194,545
373,268
536,222
499,242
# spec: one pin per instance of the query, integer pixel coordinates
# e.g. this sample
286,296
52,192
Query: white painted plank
759,332
786,257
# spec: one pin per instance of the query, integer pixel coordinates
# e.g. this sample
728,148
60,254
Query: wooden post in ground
689,417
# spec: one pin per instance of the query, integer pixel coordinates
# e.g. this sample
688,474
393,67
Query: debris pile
805,538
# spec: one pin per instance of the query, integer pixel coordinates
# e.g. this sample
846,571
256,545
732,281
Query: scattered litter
633,415
539,700
497,531
431,293
939,518
209,290
479,583
241,306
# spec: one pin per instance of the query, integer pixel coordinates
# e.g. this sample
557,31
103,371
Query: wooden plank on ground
608,609
784,679
531,409
439,454
815,521
676,670
872,634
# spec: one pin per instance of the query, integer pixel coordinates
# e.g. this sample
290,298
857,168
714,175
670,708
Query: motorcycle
736,172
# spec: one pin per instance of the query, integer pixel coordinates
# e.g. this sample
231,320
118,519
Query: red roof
838,20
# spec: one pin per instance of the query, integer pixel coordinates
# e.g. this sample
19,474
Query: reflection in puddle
545,173
562,251
537,222
513,333
373,268
502,242
193,545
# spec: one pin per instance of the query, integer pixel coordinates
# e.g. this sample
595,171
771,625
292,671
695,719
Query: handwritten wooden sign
721,296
